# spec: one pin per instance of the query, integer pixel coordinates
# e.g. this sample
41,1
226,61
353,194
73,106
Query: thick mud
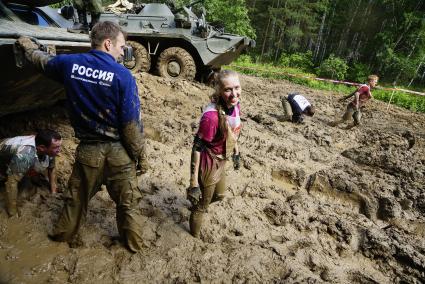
312,203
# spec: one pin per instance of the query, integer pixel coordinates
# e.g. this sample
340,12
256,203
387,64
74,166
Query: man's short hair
310,110
372,77
45,137
104,30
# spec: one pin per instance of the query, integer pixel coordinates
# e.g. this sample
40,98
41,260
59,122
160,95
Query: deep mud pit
312,203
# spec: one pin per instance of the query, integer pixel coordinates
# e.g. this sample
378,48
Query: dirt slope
312,203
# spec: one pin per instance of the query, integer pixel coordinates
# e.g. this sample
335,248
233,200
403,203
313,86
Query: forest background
336,39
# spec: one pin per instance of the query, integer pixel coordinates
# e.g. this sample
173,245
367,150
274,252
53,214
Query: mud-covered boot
94,20
80,27
11,194
195,223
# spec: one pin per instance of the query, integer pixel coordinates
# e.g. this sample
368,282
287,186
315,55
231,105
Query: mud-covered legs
210,194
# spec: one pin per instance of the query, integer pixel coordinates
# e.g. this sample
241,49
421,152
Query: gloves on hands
27,44
236,158
194,195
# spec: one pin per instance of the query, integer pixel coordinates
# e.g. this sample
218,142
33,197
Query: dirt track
312,203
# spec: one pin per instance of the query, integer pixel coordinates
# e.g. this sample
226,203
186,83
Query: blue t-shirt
102,94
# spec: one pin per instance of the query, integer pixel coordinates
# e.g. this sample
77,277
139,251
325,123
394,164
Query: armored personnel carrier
171,43
177,43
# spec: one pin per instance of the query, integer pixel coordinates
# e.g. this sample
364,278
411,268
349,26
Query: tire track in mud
311,203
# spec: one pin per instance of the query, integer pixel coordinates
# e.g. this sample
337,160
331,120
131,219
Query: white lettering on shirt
102,75
89,72
92,73
74,68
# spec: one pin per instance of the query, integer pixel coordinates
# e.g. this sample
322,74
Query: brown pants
96,164
212,192
287,109
351,112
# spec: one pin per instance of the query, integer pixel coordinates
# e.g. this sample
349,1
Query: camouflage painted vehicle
23,87
174,45
178,44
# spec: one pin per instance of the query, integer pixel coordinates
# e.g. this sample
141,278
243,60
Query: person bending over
295,106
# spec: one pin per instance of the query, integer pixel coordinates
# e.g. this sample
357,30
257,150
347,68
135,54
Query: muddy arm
131,125
198,146
32,53
348,96
194,167
39,59
133,141
51,174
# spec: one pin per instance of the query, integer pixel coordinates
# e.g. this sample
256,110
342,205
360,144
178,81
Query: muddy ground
311,204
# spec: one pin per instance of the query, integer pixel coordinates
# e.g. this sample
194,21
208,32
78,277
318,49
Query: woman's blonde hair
218,100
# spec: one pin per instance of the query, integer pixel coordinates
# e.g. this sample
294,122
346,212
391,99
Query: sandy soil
311,204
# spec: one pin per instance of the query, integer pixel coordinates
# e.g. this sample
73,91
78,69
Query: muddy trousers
14,185
91,6
212,193
351,112
96,164
287,109
11,194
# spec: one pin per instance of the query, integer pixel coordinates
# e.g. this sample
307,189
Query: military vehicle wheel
175,62
141,59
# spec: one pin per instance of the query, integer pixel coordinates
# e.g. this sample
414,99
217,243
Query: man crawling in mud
22,155
361,96
104,109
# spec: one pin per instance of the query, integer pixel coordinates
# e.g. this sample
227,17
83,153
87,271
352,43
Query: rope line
326,80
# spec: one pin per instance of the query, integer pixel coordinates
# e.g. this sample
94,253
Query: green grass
411,102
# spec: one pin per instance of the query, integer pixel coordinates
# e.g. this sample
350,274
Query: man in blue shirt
104,109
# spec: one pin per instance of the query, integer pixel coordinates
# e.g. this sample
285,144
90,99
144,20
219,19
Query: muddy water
311,203
28,256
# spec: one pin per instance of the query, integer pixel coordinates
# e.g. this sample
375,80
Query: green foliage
234,15
244,59
304,61
386,35
61,4
333,67
398,66
411,102
358,72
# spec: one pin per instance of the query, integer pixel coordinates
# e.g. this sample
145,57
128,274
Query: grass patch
408,101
